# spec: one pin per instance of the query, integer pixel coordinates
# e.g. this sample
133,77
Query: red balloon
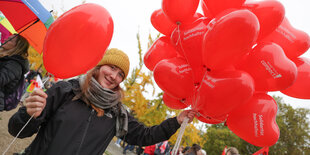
188,41
301,87
270,14
161,49
215,7
180,10
174,77
174,103
255,121
229,38
270,68
77,40
294,42
221,92
162,23
210,120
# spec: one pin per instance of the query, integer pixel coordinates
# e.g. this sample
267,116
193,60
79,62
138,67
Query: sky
133,16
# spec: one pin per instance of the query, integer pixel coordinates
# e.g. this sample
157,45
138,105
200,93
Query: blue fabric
37,8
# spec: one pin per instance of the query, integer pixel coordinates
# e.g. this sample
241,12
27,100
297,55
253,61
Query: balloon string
180,135
7,149
195,96
179,42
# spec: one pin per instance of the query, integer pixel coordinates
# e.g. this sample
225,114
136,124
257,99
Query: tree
294,134
217,138
294,130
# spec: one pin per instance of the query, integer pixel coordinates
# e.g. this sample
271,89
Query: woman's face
110,76
10,43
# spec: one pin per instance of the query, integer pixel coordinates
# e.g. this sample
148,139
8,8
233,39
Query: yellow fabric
7,25
118,58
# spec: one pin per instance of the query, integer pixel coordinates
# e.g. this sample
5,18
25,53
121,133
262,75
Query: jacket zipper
84,134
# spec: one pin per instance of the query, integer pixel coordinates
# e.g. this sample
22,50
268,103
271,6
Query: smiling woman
87,113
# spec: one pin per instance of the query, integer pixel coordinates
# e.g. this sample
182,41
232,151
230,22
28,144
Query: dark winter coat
71,127
12,68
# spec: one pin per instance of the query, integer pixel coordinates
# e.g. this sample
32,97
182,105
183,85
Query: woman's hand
36,102
190,114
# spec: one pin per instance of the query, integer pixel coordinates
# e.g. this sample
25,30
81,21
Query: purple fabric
4,33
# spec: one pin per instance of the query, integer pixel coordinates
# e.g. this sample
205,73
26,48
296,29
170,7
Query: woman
82,116
232,151
13,66
194,150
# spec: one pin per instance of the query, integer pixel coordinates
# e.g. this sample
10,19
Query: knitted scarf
104,98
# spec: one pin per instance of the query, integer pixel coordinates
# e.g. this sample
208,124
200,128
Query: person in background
194,150
181,148
149,150
203,152
81,116
13,66
118,142
128,147
139,150
232,151
162,148
185,149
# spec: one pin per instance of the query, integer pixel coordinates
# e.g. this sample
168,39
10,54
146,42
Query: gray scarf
104,98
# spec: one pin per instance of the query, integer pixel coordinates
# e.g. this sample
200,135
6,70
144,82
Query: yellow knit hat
118,58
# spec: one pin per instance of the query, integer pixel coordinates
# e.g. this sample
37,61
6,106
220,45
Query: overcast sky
133,16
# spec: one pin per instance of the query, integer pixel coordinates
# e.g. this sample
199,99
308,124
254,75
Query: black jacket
12,68
71,127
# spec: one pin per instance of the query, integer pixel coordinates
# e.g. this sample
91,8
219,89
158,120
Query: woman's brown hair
21,48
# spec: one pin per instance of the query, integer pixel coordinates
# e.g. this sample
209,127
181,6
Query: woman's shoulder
73,83
16,60
66,86
14,57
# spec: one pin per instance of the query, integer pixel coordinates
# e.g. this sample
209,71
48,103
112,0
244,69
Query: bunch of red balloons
224,62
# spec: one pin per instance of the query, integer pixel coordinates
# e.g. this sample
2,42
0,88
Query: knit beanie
118,58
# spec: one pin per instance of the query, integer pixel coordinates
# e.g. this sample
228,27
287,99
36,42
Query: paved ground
6,138
114,150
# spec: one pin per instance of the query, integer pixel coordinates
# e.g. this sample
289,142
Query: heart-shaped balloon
188,41
294,42
220,92
270,68
161,49
77,40
180,11
270,14
229,38
174,76
255,121
210,120
301,87
215,7
162,23
174,103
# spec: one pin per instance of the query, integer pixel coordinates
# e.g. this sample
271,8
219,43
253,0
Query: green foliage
294,130
217,138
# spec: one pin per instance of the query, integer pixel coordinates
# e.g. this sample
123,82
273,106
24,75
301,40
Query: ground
20,144
6,138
